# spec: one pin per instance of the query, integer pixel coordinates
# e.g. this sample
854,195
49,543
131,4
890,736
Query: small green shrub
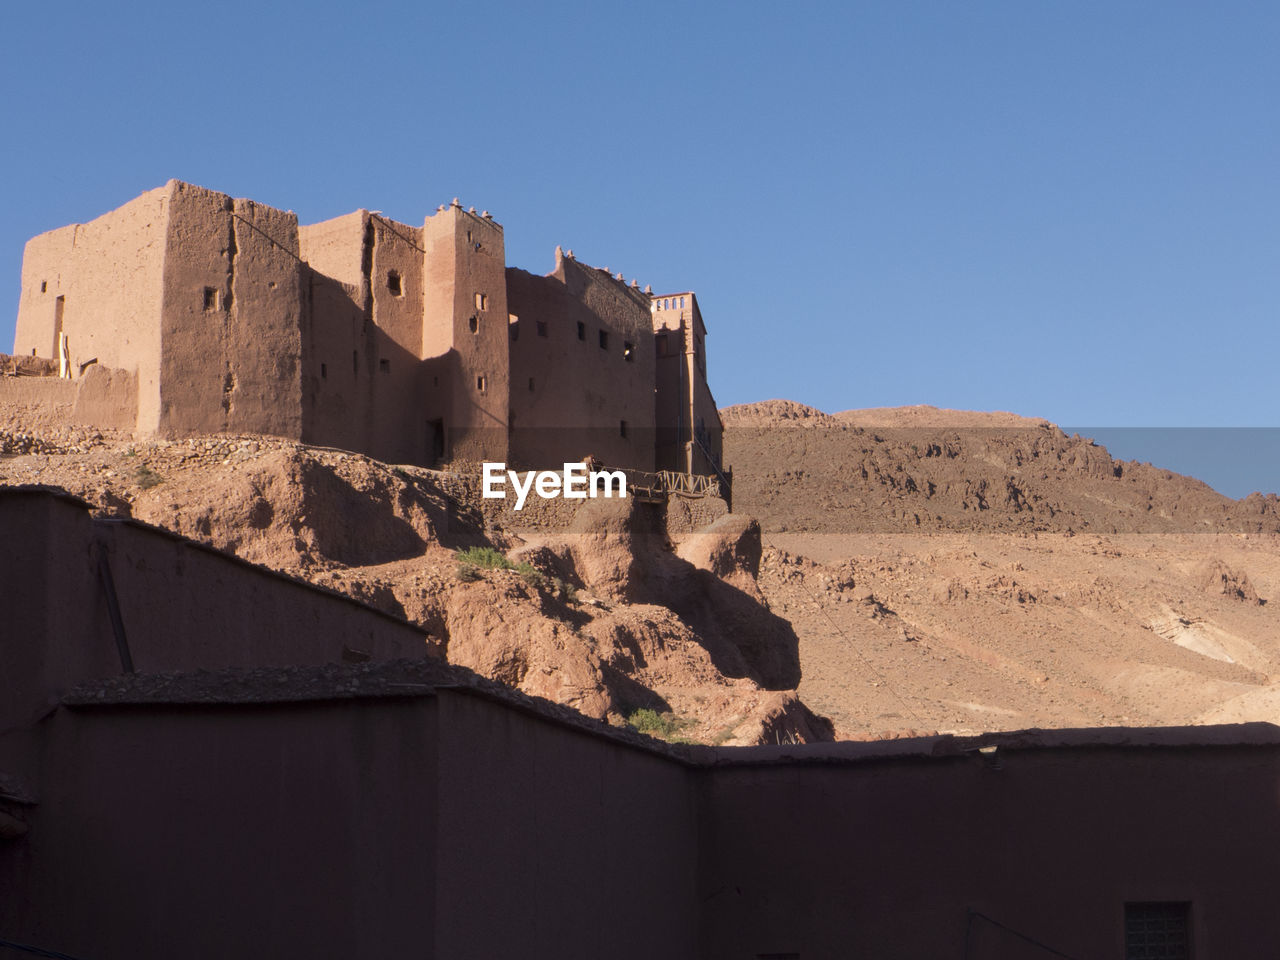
664,726
484,558
474,559
531,575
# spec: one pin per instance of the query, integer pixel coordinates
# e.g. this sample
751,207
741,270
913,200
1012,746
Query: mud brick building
186,311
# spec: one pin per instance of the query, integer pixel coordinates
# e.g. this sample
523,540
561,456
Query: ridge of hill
958,571
915,469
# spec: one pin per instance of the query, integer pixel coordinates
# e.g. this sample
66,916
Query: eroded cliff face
602,613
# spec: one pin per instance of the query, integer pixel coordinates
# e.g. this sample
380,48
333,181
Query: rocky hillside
911,569
948,570
917,469
602,616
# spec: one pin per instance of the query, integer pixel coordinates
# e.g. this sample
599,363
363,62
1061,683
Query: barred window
1157,931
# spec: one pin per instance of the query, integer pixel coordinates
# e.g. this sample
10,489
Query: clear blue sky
1068,210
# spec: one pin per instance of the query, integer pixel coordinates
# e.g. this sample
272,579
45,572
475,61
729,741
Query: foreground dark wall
556,843
286,830
885,859
183,607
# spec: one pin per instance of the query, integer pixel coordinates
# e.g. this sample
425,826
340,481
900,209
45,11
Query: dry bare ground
954,571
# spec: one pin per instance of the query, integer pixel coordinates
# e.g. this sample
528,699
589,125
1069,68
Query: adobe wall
364,267
556,843
253,830
183,606
399,432
38,402
705,413
232,314
264,341
336,247
106,398
671,393
884,859
101,282
465,259
569,395
338,341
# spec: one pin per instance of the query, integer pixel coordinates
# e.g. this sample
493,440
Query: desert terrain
884,572
959,571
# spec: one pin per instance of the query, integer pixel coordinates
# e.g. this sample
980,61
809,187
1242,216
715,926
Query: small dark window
474,324
531,384
542,327
582,331
44,286
604,339
324,372
622,428
384,366
394,285
210,298
482,302
1157,931
513,329
480,383
628,350
435,381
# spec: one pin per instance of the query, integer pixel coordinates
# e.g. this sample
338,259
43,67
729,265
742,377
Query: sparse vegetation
473,560
484,558
565,590
531,575
146,478
665,726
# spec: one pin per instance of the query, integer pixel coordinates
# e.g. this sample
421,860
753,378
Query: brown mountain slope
960,571
921,469
603,617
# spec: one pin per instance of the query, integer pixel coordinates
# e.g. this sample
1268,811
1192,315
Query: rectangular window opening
604,339
582,331
628,351
663,345
210,298
531,384
44,286
1157,931
622,428
542,327
480,383
324,371
394,285
482,302
384,366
